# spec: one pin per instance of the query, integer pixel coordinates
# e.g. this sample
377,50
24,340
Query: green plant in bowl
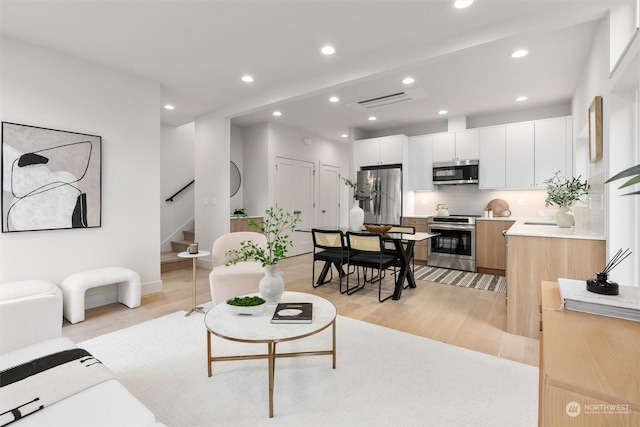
245,301
251,304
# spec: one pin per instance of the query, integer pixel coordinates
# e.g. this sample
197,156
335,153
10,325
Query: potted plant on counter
275,226
564,193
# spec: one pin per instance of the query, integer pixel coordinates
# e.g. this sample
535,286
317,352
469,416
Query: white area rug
383,378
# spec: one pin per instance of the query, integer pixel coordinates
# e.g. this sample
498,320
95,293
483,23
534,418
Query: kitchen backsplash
469,200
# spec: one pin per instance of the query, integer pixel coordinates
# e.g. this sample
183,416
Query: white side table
195,258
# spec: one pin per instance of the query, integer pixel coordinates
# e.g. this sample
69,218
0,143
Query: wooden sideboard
240,224
531,260
589,367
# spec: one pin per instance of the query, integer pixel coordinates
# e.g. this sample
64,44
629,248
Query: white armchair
242,278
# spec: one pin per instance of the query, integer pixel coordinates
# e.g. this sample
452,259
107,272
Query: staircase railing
170,199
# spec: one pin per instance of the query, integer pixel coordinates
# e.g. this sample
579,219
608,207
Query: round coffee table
259,329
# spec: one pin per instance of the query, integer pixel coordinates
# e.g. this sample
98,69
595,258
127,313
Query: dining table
404,244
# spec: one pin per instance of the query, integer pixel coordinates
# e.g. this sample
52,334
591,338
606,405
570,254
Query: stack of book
626,305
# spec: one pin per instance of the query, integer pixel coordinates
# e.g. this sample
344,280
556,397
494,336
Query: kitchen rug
464,279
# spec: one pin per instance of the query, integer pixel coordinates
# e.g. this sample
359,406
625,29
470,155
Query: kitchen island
545,252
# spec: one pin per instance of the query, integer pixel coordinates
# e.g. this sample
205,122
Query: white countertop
552,230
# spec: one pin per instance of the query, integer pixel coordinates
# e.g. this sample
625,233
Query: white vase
356,218
271,285
565,218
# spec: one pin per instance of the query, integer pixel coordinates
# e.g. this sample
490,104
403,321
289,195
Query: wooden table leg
272,365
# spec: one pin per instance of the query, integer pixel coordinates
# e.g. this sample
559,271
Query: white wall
618,215
211,165
176,164
43,88
288,142
256,164
237,150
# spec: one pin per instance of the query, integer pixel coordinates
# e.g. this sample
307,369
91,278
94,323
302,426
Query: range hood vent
388,99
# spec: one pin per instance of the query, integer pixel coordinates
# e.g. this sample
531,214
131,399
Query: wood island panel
531,260
590,360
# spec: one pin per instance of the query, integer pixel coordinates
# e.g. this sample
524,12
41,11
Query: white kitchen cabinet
519,155
386,150
444,147
492,166
461,145
468,144
420,161
552,148
536,150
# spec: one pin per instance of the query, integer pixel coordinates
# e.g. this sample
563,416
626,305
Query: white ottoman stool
75,286
30,312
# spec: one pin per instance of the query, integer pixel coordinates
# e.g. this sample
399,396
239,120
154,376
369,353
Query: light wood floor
468,318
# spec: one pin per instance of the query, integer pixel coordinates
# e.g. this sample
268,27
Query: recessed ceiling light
334,99
372,118
521,98
519,53
247,78
461,4
169,107
344,135
408,80
328,50
442,112
277,113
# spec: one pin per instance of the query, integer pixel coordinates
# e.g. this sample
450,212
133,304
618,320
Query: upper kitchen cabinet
536,150
386,150
491,168
461,145
553,149
420,161
519,155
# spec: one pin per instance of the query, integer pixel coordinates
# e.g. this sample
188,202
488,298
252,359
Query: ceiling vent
388,99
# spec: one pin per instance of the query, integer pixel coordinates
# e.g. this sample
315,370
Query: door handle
324,211
297,212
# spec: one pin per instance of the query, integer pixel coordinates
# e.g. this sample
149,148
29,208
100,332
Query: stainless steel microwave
455,172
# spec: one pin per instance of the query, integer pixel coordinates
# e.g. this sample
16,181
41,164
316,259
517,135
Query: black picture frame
51,179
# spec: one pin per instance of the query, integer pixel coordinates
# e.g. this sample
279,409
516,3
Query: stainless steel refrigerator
382,187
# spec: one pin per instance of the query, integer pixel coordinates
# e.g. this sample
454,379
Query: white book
626,305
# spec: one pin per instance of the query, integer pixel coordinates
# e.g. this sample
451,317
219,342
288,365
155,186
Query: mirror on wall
235,179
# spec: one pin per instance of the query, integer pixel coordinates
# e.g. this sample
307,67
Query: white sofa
31,327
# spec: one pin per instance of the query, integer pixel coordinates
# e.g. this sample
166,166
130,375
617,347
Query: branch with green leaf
274,225
565,192
633,170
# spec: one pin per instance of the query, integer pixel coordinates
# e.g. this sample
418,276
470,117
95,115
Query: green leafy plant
246,301
565,192
360,194
274,225
633,170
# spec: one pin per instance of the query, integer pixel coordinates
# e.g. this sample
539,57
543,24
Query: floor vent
388,99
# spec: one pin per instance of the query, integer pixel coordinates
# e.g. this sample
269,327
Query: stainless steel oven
455,245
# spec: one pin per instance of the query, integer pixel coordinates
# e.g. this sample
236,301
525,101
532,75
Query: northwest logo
573,409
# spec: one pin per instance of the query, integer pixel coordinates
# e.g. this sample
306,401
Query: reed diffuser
601,284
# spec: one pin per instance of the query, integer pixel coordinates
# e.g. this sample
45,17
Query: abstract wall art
51,179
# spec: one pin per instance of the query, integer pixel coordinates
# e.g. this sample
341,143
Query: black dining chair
329,247
366,250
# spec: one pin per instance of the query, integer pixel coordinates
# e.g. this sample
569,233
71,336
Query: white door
294,194
329,196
